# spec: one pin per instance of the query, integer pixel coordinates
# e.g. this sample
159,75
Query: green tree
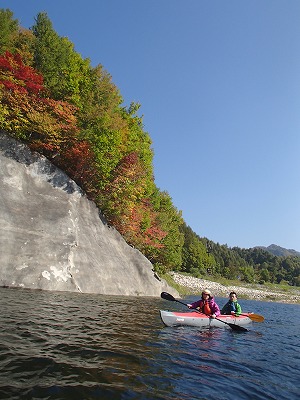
9,31
264,276
169,220
103,125
195,256
15,39
65,72
296,280
247,274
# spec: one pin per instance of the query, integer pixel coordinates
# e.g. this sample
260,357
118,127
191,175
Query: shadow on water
71,346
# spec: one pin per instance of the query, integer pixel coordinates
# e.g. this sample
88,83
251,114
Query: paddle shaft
233,326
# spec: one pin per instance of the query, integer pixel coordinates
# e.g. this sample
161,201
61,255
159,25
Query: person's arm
238,309
196,304
215,309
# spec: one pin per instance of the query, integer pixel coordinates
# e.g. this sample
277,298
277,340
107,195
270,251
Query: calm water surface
78,346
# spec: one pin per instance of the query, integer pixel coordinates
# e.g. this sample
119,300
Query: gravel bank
196,285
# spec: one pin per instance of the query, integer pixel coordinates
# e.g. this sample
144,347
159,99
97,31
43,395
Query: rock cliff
53,238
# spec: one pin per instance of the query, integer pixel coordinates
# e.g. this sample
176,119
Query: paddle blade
237,327
167,296
233,326
255,317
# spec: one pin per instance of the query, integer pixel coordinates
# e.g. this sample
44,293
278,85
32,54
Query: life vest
206,308
230,306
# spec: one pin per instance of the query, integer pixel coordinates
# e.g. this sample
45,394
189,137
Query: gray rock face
53,238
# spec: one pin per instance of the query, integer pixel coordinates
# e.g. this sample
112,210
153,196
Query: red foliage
21,77
77,159
127,206
45,123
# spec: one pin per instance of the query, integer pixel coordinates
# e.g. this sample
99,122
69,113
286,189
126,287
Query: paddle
168,296
255,317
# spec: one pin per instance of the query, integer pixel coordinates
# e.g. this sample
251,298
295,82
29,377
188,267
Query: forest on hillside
71,112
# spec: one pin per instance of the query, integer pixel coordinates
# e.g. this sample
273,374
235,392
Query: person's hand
213,315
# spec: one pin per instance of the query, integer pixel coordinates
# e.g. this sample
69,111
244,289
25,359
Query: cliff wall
53,238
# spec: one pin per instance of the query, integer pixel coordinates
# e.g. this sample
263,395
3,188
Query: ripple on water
67,346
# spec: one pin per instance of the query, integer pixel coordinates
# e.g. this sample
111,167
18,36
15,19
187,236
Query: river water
78,346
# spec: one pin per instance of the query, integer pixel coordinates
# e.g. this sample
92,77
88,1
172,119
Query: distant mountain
280,251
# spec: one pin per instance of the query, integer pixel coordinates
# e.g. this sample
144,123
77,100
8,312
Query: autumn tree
126,205
27,113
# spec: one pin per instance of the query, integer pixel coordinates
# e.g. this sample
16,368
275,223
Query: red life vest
206,308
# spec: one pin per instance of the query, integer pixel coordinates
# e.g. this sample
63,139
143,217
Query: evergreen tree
196,258
8,31
65,72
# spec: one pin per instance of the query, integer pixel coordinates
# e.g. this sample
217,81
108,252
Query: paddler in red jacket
206,304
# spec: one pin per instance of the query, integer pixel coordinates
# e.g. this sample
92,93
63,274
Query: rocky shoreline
196,285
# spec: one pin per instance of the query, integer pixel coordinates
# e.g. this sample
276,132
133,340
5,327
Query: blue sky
219,88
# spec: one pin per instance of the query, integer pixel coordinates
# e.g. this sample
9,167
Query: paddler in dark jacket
206,305
232,306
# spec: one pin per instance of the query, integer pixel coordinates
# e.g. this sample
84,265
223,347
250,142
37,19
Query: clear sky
219,87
